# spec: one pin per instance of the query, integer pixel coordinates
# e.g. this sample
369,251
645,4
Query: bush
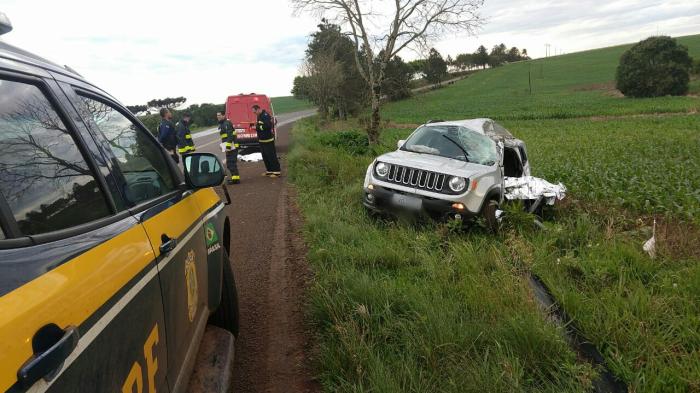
352,142
657,66
696,67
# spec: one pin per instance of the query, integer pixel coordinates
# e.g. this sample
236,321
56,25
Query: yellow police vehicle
113,262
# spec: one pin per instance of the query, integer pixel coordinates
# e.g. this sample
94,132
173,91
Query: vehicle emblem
210,234
191,280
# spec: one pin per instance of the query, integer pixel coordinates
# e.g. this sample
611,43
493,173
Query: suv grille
419,178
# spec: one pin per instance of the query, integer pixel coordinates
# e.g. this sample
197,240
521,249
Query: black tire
226,316
488,212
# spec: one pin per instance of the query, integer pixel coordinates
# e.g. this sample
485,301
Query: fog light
458,217
370,197
458,206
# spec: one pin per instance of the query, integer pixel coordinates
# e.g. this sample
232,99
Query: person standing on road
166,133
185,143
230,143
267,142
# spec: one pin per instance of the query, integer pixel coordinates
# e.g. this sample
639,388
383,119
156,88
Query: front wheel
488,212
226,316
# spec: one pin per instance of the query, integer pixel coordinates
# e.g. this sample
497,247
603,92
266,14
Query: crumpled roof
482,125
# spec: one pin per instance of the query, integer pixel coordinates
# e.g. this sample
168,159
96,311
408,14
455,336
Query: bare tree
410,23
325,75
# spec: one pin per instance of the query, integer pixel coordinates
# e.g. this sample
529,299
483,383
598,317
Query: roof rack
434,121
5,24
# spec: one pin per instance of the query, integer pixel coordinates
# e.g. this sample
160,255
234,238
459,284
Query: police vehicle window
146,174
43,176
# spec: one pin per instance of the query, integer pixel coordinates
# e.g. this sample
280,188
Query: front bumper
380,199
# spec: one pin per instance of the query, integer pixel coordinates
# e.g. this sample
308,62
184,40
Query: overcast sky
206,50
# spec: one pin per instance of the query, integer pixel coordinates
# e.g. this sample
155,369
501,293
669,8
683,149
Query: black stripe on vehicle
19,266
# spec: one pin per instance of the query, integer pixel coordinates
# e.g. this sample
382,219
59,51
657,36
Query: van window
139,158
43,176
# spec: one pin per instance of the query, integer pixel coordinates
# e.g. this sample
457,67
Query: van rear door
239,109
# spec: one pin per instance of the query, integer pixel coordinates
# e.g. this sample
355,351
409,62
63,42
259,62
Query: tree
497,56
654,67
170,103
513,55
481,56
450,62
417,65
435,67
464,61
397,79
524,54
136,109
410,22
327,50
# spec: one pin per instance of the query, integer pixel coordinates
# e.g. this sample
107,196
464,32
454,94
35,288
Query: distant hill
572,85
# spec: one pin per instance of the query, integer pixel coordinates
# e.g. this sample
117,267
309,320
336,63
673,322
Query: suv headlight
381,169
457,184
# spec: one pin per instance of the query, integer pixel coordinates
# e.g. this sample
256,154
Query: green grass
410,307
417,307
289,104
574,85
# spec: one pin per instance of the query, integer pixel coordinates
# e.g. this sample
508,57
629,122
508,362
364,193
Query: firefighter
166,133
185,144
228,139
267,142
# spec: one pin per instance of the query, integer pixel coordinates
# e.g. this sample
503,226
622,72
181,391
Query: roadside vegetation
404,306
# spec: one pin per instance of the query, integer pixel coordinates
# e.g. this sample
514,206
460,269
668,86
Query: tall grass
410,307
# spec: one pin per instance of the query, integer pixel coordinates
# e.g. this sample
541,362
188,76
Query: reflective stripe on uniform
224,136
266,140
188,136
235,177
237,145
228,144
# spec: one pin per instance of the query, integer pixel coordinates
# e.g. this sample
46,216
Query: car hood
434,163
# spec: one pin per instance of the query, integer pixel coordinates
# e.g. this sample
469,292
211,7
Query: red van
239,109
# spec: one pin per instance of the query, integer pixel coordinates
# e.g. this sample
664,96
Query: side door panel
110,292
98,277
184,279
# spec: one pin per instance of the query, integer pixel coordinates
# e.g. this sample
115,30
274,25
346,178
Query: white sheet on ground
253,157
530,187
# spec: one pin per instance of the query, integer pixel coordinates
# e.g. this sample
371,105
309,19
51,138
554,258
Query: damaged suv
448,169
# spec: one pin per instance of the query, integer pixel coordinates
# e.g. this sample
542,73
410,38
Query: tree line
330,77
203,115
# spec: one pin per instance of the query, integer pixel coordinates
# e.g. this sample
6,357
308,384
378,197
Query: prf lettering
134,381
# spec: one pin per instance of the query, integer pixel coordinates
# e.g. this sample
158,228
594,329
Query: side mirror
203,170
400,143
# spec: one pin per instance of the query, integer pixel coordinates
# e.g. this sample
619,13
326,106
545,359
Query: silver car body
410,178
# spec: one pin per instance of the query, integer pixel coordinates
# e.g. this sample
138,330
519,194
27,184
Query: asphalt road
269,264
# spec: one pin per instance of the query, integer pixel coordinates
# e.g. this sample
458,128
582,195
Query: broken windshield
456,142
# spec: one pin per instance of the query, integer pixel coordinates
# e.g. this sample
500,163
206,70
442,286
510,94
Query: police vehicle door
172,219
81,308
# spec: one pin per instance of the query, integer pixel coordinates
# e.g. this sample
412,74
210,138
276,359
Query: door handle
168,244
52,346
